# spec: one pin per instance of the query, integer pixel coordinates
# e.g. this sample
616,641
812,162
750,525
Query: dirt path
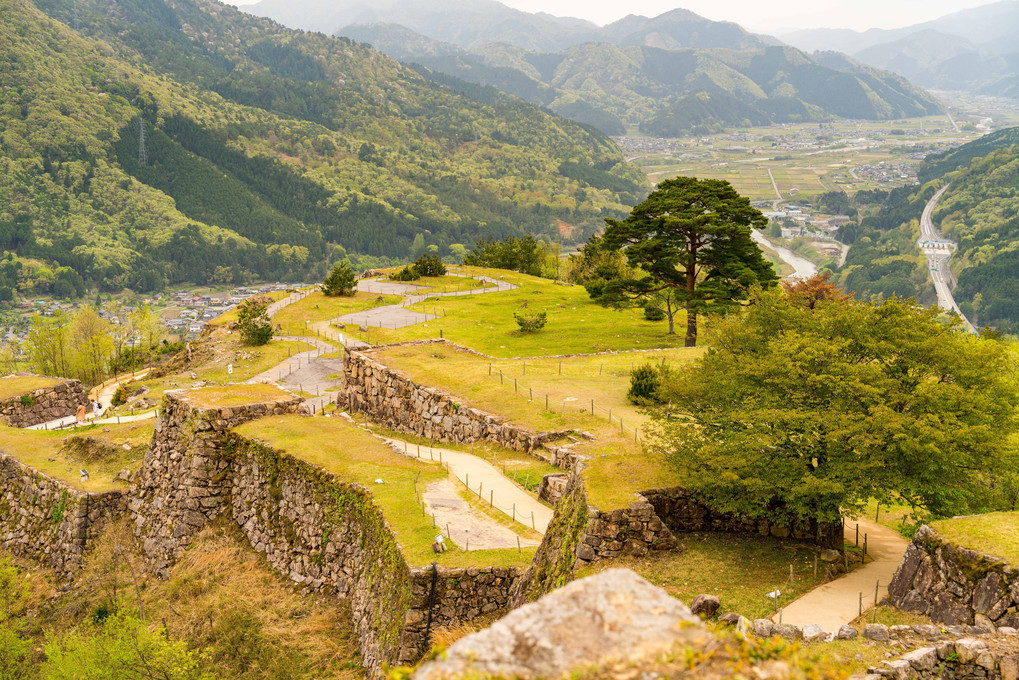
398,315
468,528
486,481
837,603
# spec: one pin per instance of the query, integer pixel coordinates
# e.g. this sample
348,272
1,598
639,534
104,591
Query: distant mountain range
975,49
667,75
148,143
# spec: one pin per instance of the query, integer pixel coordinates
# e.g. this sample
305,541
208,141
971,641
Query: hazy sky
763,15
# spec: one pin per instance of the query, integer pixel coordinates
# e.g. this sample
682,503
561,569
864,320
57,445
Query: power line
143,156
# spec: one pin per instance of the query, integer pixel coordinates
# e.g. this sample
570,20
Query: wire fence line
561,406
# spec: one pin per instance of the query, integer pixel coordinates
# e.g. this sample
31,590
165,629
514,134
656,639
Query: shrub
253,322
341,281
645,385
652,313
405,274
530,323
429,264
119,396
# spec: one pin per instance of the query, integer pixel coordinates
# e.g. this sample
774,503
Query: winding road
939,250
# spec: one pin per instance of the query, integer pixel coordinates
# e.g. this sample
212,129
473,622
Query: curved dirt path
399,316
837,603
465,526
484,480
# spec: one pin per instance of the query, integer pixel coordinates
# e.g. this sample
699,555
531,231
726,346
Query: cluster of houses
184,313
798,221
191,311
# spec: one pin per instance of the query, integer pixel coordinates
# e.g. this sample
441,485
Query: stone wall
185,480
681,514
328,535
955,585
44,404
46,520
397,402
315,529
965,659
635,530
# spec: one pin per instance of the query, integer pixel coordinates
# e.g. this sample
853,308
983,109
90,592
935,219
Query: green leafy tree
645,385
799,412
15,647
429,264
121,647
691,238
253,321
341,281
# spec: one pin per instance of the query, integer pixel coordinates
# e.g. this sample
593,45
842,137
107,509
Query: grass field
809,158
996,533
309,314
47,452
354,455
618,465
16,385
226,350
740,570
575,325
236,395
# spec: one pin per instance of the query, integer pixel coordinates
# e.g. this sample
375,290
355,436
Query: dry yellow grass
17,385
996,533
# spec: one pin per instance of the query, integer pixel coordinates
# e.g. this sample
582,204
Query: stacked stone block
46,520
955,585
44,404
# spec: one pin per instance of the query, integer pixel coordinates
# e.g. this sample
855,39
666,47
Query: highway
938,251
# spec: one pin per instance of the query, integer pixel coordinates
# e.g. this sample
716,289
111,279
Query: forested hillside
665,87
268,153
979,212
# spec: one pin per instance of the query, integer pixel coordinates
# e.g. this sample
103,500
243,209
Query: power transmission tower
143,156
76,15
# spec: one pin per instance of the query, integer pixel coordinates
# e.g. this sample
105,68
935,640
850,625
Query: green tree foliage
690,240
15,646
408,273
340,282
800,413
531,323
525,254
120,647
253,322
645,385
429,264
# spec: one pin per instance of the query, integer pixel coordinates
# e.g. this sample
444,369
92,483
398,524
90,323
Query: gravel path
486,481
465,526
837,603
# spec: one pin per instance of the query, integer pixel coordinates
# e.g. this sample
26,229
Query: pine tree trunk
691,329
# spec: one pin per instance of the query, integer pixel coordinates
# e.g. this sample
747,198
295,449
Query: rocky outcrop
612,616
955,585
48,521
44,404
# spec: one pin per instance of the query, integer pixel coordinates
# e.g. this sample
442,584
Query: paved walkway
837,603
465,526
398,315
486,481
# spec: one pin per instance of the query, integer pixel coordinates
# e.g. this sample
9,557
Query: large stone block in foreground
612,616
